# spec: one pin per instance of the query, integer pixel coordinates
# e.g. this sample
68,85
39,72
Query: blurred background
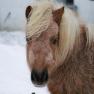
14,73
12,12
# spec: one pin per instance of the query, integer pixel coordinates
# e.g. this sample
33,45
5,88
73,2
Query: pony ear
28,10
57,15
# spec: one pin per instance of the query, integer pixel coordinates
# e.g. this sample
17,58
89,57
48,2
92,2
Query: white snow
14,72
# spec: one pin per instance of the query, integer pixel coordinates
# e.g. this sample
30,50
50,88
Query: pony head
50,35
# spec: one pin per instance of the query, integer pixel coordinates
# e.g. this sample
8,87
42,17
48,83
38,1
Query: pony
60,49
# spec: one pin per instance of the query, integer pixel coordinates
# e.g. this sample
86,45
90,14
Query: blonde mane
69,28
40,19
69,32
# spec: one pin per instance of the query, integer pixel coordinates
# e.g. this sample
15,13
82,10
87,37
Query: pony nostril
39,77
33,76
45,75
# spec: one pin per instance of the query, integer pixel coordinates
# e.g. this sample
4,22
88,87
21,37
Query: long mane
70,34
70,28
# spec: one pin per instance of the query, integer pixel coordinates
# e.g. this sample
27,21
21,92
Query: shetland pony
60,49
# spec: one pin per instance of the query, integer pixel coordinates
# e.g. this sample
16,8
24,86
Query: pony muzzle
39,78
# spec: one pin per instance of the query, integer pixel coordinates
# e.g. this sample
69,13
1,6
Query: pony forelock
39,20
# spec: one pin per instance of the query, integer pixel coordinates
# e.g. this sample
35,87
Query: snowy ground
14,73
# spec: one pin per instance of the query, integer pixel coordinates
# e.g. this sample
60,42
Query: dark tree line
67,1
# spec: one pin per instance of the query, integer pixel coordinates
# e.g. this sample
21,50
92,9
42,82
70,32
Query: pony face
40,53
41,46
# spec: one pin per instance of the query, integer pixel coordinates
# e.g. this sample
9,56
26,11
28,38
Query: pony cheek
50,60
51,66
31,58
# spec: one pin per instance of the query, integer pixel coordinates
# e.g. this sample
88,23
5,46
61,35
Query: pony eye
28,39
54,40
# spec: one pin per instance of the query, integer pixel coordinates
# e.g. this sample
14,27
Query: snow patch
14,72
